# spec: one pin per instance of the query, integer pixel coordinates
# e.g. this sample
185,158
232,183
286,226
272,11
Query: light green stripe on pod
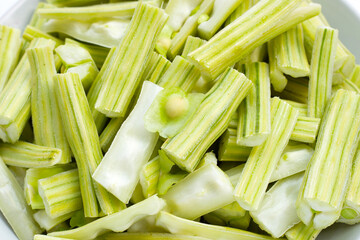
46,120
31,183
191,44
240,10
263,159
28,155
328,173
296,89
181,73
229,150
135,47
221,10
10,45
290,53
31,33
277,77
306,129
344,59
322,65
209,121
149,177
246,33
61,193
254,112
188,28
84,142
15,97
302,232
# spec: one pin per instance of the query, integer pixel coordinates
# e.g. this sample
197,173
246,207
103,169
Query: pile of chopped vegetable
178,119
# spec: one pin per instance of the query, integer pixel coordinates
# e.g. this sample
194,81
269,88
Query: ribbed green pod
11,132
46,120
240,10
209,121
99,118
149,177
302,232
355,76
263,159
191,44
322,65
254,112
242,36
35,20
135,47
350,212
109,133
181,73
290,53
328,173
221,11
296,89
346,85
81,133
61,193
31,183
344,59
305,130
31,33
156,66
188,28
10,44
229,150
277,77
121,9
301,107
15,97
28,155
49,223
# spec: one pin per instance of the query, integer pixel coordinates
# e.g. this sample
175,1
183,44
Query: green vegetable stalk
322,195
209,121
119,87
